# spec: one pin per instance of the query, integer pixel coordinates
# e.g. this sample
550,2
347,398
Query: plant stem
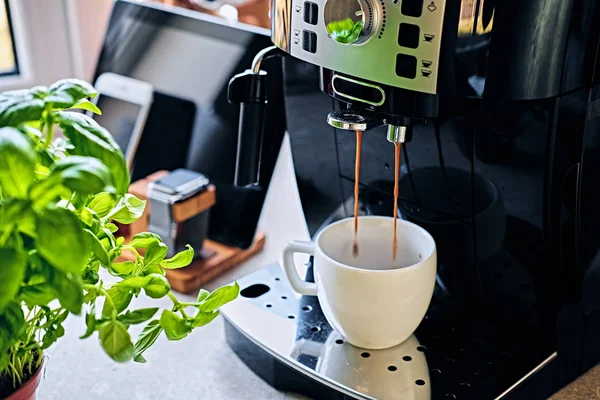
70,201
115,313
174,299
50,130
189,304
5,236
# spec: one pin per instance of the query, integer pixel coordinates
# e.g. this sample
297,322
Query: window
8,58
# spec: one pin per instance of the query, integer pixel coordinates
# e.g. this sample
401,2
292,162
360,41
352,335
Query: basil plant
60,198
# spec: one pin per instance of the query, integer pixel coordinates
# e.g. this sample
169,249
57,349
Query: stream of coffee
359,135
395,215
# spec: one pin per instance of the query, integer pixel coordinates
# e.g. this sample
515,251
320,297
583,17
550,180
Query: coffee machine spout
397,134
352,121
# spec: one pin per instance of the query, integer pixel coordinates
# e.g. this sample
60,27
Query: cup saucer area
285,339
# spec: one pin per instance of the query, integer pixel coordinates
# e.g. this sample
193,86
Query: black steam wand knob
249,90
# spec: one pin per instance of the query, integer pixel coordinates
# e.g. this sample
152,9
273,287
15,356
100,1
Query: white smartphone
124,103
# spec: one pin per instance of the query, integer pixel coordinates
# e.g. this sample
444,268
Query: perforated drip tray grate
450,356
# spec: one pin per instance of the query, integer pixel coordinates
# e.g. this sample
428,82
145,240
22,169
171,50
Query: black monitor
189,58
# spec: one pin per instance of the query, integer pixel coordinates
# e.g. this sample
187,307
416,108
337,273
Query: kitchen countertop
585,387
202,365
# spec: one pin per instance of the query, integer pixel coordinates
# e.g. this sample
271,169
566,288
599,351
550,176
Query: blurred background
42,41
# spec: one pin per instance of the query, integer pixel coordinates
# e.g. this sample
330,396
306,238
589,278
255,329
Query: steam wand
249,90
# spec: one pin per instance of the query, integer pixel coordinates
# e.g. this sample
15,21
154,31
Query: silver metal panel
375,59
307,343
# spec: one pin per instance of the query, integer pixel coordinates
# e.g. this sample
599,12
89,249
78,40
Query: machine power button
412,8
311,12
406,66
409,35
309,41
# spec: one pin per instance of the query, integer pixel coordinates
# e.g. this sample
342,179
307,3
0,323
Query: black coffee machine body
496,104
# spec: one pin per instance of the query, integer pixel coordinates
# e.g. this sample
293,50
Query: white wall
91,18
56,39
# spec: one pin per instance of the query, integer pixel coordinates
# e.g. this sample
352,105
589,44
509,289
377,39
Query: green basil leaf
137,316
153,269
33,133
90,219
97,248
136,282
89,139
60,318
85,104
128,209
61,240
60,100
48,191
12,269
219,297
122,269
176,328
120,297
181,259
111,227
90,323
85,175
146,339
39,92
139,359
19,93
40,294
17,164
155,254
69,290
144,239
155,285
116,341
5,358
202,294
102,203
14,212
74,118
158,286
67,92
202,318
17,110
12,326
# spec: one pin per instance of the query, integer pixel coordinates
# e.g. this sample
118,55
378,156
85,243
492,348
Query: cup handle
299,285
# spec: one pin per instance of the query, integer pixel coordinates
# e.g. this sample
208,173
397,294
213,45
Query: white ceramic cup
373,302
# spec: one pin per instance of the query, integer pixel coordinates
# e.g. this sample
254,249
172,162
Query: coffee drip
397,147
359,135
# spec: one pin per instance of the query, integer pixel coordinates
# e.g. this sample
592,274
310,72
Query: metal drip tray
285,339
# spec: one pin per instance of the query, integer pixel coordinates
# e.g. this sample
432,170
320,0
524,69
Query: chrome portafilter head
348,120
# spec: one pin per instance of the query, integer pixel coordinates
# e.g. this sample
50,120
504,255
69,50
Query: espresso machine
497,106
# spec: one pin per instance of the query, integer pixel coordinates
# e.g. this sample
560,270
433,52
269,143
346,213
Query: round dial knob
349,21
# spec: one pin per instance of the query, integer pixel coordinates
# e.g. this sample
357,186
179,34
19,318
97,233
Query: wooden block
181,211
195,205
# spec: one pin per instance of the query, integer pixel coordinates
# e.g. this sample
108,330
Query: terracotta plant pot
27,391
